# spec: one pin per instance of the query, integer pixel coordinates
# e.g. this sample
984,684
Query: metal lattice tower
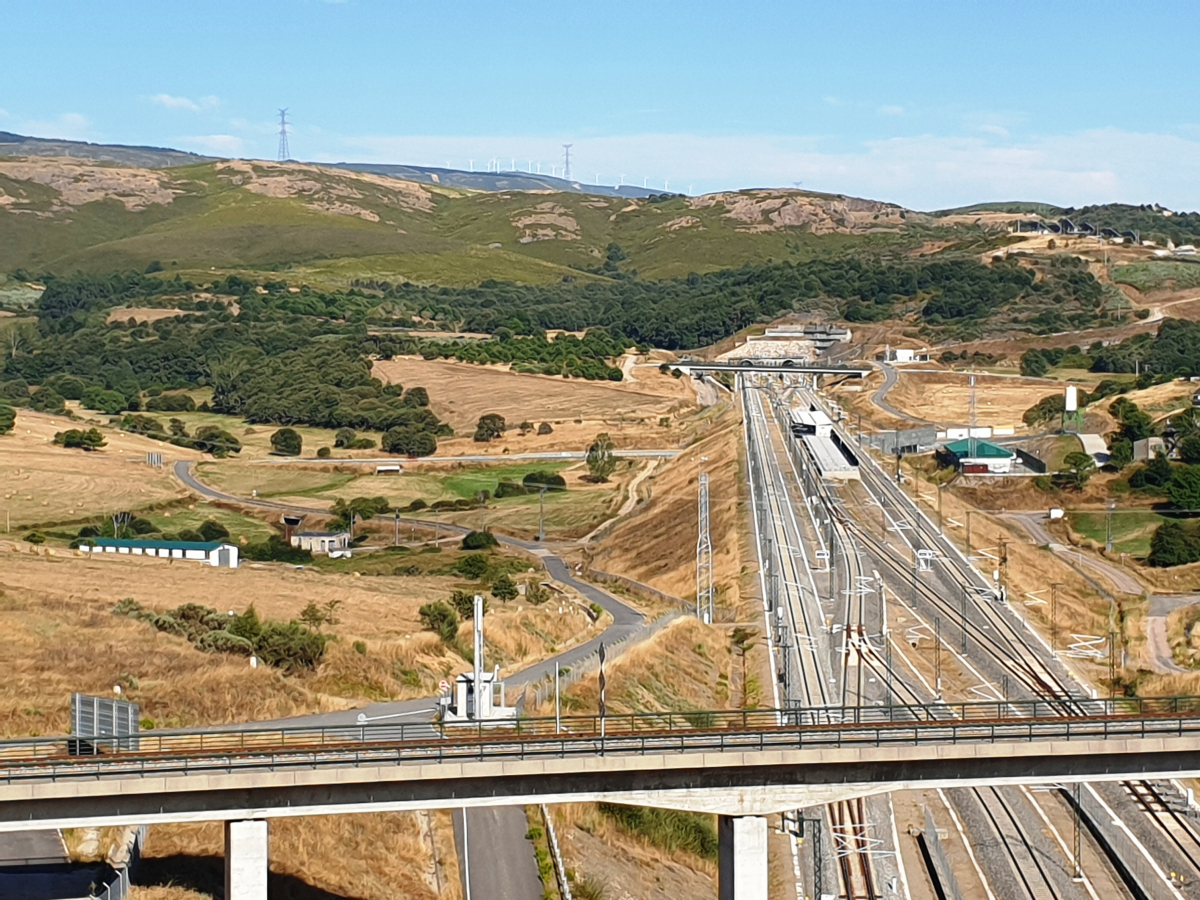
284,153
704,559
567,161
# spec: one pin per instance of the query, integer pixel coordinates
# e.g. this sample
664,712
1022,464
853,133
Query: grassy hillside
328,225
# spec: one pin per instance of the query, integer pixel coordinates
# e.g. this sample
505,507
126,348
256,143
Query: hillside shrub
89,440
8,418
276,549
479,540
669,829
287,442
539,478
440,619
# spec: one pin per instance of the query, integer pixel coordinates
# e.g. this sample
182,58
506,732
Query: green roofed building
211,553
977,457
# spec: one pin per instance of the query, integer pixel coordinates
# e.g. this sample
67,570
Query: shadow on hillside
206,874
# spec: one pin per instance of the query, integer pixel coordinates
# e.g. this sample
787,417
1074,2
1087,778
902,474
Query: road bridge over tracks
741,766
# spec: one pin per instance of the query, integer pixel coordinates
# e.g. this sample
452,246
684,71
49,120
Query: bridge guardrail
641,733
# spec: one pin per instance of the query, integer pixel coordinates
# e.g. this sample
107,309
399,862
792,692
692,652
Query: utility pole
542,513
704,559
1108,527
396,539
963,619
940,488
937,655
1054,617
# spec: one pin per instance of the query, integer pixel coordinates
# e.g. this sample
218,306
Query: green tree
344,436
210,530
1189,449
464,604
601,461
1173,544
473,566
1120,454
440,619
490,427
504,589
1033,364
1078,468
1184,489
8,418
287,442
91,439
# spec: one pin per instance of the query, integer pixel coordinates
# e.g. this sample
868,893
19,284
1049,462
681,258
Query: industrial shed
211,553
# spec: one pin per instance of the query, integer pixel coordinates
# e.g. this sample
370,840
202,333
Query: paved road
1117,577
497,857
1161,605
626,619
879,398
504,868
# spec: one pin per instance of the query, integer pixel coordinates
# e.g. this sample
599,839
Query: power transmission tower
284,153
704,559
567,161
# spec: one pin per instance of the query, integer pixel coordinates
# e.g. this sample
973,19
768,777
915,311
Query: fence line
118,887
638,587
560,871
544,690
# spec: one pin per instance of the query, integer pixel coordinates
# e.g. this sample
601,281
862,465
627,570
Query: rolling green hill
328,225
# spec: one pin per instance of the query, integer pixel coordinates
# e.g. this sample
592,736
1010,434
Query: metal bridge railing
677,732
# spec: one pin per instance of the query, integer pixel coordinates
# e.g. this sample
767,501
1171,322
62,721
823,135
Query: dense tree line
270,367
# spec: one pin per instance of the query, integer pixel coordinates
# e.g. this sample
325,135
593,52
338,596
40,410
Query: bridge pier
246,859
741,857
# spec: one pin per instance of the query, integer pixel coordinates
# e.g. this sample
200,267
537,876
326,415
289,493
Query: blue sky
927,104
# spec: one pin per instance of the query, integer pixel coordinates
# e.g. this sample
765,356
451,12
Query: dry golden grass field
944,398
461,392
401,660
656,544
40,482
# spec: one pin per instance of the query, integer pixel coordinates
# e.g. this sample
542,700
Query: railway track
852,848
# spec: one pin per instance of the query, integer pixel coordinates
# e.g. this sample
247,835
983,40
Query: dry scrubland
63,638
628,410
657,543
41,483
377,856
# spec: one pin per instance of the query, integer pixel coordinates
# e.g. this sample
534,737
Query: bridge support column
741,857
246,860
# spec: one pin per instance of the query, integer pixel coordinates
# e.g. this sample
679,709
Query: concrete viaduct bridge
781,365
741,766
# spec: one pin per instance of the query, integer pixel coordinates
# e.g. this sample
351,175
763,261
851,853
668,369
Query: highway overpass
742,767
773,366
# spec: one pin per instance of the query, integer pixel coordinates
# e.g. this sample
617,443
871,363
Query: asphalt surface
495,855
879,398
504,867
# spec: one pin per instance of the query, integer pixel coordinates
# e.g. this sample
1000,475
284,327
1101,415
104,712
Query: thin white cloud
218,144
171,102
923,172
891,110
67,127
998,130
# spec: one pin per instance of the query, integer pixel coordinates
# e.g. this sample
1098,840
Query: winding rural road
1158,646
879,398
494,838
